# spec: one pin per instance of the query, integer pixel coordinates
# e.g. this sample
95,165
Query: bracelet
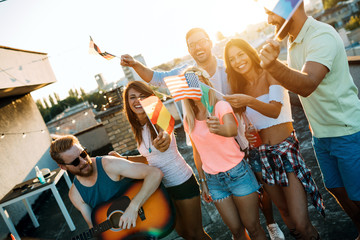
202,180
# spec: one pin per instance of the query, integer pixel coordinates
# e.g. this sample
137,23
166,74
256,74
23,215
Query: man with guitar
99,179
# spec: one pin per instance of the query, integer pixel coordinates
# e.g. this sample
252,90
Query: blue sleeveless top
104,189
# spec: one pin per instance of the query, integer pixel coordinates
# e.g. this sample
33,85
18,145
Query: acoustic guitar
156,217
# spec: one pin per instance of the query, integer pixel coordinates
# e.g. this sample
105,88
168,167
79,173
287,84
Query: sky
154,28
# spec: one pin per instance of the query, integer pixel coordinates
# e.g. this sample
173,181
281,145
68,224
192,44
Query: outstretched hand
115,154
269,53
162,141
127,60
238,100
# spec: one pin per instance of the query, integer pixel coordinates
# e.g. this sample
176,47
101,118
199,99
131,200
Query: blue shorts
339,160
255,162
238,181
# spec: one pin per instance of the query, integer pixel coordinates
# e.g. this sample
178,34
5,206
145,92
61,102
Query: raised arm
80,205
144,72
302,83
117,168
155,78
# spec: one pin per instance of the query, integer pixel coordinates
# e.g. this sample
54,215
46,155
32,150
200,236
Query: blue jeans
238,181
339,160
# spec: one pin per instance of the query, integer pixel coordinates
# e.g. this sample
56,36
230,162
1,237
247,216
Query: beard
85,171
285,31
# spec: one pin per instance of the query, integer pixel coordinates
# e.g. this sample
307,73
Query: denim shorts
255,161
238,181
339,160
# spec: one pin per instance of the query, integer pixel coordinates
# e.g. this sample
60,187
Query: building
340,14
100,81
73,120
130,73
24,138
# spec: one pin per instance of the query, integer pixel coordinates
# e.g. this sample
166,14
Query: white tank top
276,93
171,163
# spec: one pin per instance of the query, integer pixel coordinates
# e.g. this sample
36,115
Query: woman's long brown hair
131,116
235,79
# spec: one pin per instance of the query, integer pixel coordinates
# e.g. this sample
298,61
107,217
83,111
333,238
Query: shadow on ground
336,226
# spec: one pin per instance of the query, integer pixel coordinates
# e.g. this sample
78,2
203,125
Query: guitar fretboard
92,232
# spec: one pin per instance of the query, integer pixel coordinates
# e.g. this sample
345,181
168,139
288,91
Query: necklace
149,138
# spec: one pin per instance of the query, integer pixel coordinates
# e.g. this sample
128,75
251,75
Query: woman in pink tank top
226,179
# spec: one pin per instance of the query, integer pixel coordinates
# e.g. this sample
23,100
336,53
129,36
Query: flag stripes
94,49
158,114
180,89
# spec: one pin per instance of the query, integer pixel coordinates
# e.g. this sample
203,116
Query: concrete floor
336,225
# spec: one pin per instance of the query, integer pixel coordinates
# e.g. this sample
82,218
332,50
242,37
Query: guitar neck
92,232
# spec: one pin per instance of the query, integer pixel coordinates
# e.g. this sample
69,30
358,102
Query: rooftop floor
336,226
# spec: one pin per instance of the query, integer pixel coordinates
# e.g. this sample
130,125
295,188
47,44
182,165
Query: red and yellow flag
94,49
158,114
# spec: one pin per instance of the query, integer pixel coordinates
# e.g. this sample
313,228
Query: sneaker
275,232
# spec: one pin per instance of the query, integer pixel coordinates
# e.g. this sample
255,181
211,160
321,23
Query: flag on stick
205,97
158,114
94,49
183,86
282,8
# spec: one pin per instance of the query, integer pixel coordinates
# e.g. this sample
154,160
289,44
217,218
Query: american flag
184,86
94,49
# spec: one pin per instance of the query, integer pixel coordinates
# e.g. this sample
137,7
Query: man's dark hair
195,30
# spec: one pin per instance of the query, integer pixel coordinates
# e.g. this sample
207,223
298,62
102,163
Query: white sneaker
275,232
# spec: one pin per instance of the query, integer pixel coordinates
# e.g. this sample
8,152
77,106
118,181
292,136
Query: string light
23,134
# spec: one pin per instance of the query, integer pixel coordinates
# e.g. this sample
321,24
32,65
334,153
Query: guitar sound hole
114,218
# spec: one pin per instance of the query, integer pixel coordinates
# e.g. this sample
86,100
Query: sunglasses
76,161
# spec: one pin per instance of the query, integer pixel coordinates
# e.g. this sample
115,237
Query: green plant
353,23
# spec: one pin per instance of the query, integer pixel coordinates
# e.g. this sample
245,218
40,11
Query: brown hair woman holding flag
160,150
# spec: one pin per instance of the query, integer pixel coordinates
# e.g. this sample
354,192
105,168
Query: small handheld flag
94,49
183,86
205,97
158,114
282,8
